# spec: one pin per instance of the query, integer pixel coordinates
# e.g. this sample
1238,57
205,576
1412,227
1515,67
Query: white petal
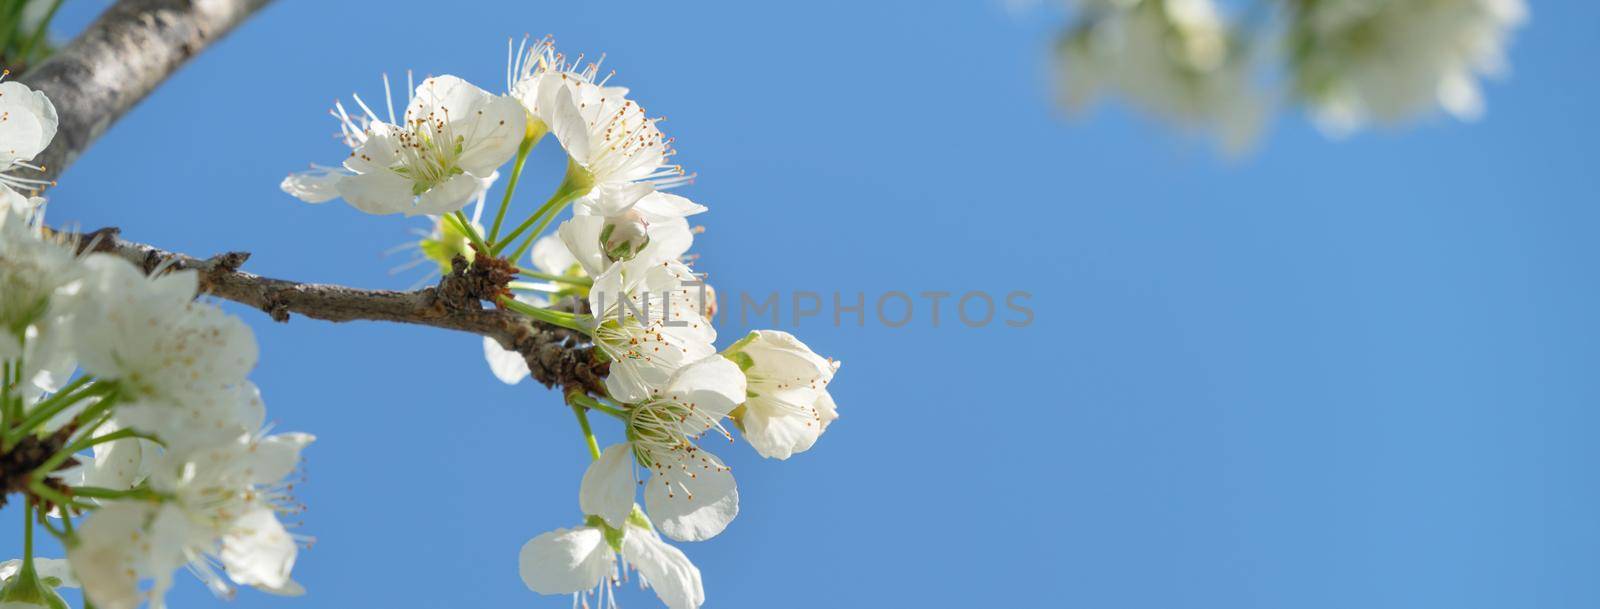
316,186
1459,94
289,588
569,126
608,486
30,123
630,380
611,200
109,566
779,354
565,561
507,365
45,567
581,235
258,551
276,456
494,131
451,195
661,205
714,385
665,569
551,255
692,498
118,464
378,192
780,434
826,409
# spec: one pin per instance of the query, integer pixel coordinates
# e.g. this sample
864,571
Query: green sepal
613,536
27,588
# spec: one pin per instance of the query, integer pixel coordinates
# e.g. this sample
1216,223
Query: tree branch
132,48
555,356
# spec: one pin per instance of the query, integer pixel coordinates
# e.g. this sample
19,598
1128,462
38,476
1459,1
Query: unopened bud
624,236
445,243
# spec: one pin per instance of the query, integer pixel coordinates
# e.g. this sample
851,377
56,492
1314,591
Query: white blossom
221,508
652,229
34,270
1177,59
583,562
787,405
1389,60
649,322
691,492
615,149
443,152
28,122
179,365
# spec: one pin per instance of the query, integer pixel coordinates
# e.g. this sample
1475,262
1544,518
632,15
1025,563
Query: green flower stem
38,488
88,414
54,532
52,406
85,442
567,279
591,403
5,398
577,182
528,141
471,232
111,493
538,230
555,318
27,538
588,433
119,434
555,199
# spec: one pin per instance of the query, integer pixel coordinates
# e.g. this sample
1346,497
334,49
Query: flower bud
445,243
624,236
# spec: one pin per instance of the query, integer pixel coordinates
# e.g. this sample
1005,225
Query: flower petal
507,365
493,133
318,185
258,551
692,498
276,456
565,561
665,569
448,196
608,486
713,385
581,235
378,192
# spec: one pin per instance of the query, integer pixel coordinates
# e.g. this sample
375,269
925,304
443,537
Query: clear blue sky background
1336,375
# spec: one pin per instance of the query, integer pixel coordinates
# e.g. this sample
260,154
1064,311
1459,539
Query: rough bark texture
132,48
555,356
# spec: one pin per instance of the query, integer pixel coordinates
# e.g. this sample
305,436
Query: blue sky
1329,375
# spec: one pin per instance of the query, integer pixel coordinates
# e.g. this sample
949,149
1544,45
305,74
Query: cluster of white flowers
143,394
1350,62
615,271
1176,59
1389,60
